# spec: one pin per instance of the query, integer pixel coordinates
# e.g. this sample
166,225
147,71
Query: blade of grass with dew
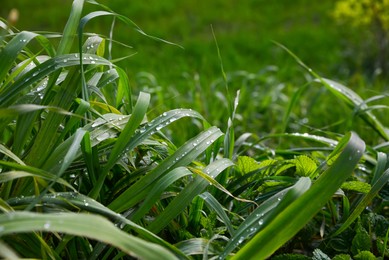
183,156
185,197
77,201
9,92
352,99
10,52
80,224
288,222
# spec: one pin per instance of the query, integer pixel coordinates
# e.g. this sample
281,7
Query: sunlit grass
247,167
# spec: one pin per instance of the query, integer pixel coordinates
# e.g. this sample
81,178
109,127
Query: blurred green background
244,30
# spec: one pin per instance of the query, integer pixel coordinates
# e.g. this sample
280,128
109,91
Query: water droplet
164,114
194,144
260,222
158,127
65,60
279,199
97,123
240,240
46,225
76,55
92,62
103,136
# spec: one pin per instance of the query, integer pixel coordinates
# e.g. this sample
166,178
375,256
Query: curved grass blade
288,222
214,205
13,175
4,150
183,156
197,246
352,99
185,197
44,69
77,201
6,252
161,185
80,224
9,53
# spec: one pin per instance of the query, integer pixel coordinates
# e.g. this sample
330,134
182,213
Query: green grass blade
286,224
6,252
9,53
183,156
70,30
185,197
122,143
161,185
44,69
77,201
214,205
4,150
85,225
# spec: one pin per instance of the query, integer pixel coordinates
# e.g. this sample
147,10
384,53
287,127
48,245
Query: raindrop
158,127
164,114
260,222
97,123
46,225
92,62
102,137
279,199
194,144
76,55
65,60
240,240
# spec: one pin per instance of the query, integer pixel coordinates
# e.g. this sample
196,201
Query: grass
90,168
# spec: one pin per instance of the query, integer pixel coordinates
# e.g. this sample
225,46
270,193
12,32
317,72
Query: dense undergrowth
90,170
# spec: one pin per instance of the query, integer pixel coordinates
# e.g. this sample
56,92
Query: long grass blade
80,224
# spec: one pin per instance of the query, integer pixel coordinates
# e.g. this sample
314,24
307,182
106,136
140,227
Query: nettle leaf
357,186
247,164
361,241
305,166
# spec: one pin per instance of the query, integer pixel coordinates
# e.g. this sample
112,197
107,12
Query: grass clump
88,170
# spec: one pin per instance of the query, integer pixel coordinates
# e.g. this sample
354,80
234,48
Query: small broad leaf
361,241
305,166
358,186
247,164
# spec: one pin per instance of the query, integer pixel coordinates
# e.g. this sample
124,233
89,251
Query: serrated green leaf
305,166
358,186
247,164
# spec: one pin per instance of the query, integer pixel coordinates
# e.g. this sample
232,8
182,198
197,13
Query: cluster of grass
89,170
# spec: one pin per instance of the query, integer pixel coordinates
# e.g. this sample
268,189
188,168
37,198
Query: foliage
88,170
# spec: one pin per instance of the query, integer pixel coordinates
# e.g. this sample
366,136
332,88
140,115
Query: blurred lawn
244,30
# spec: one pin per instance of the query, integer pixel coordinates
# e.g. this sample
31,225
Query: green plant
87,172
